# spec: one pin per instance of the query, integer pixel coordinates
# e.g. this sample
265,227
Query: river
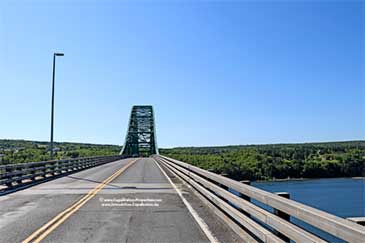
344,197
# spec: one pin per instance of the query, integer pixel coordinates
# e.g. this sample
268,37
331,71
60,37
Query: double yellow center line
46,229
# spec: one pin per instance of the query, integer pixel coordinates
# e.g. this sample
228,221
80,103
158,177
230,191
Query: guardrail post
223,186
282,215
247,198
51,170
78,166
55,168
62,166
9,170
88,163
69,165
33,173
75,166
45,171
19,181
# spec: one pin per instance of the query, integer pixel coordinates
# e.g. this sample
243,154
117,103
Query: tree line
278,161
22,151
243,162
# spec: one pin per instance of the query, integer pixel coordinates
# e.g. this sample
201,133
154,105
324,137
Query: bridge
141,196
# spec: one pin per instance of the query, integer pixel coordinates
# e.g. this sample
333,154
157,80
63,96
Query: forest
239,162
278,161
21,151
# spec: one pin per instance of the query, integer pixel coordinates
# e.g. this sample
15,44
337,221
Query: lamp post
52,108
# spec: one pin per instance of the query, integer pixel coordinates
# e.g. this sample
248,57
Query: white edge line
195,215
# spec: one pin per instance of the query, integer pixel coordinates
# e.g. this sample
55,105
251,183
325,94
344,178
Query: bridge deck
166,219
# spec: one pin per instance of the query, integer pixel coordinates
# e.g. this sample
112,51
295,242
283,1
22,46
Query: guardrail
16,175
254,223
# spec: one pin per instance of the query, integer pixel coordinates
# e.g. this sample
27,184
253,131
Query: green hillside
253,162
20,151
278,161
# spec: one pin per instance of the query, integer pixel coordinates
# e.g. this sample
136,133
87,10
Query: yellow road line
61,217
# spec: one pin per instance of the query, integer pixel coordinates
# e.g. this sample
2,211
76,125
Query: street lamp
52,109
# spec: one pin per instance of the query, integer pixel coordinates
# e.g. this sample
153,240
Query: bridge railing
14,175
254,223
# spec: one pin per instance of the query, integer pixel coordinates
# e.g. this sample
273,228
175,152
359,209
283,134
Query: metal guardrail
15,175
254,223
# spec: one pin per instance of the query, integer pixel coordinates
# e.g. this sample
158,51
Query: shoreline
305,179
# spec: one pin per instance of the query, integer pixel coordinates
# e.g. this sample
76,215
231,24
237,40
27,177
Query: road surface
138,205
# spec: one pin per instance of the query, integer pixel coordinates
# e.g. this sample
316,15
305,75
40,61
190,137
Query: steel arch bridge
140,139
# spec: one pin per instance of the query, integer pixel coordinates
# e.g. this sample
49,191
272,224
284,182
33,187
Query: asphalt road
137,205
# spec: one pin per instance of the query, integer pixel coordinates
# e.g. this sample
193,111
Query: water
344,197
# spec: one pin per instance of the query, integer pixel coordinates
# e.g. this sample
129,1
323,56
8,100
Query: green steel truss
140,139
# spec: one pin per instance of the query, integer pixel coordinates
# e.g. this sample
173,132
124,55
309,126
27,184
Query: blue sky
217,73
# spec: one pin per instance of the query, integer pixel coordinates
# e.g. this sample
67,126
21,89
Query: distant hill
240,162
278,161
20,151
